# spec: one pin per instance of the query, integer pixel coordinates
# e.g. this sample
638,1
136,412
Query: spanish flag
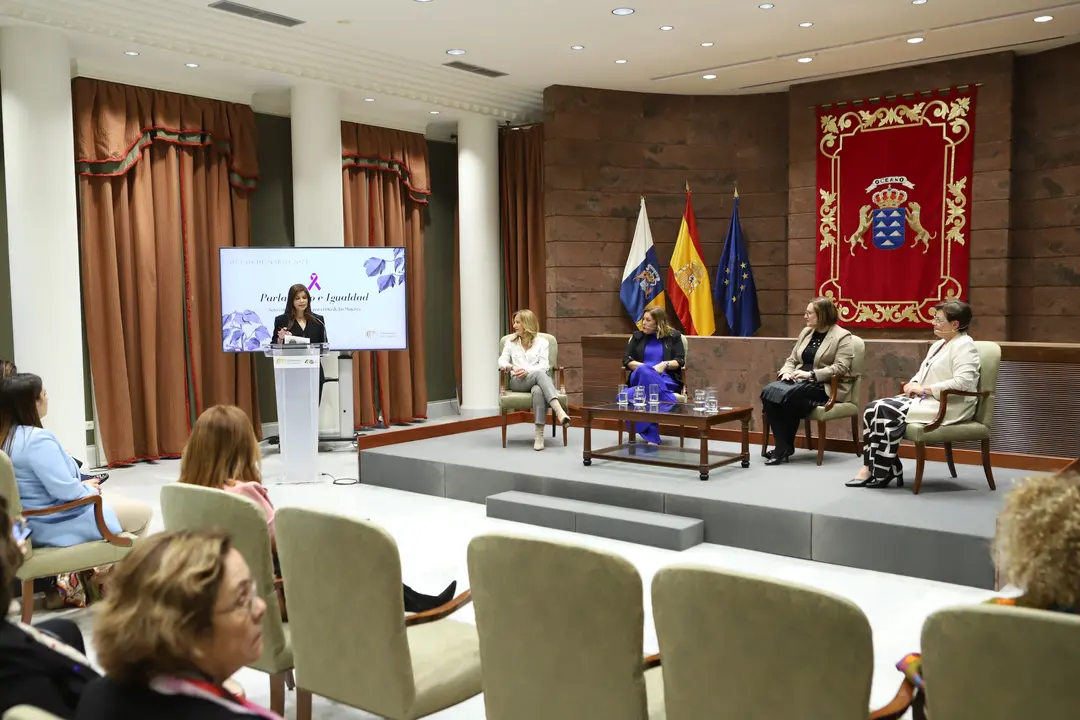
688,282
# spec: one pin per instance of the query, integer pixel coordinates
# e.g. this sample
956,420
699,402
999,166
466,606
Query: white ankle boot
538,441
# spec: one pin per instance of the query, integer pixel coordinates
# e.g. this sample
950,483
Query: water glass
639,396
699,400
623,398
654,394
711,402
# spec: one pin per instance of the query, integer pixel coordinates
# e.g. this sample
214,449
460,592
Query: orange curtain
163,182
521,192
385,186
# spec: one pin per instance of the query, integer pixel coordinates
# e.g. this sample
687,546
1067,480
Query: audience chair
1001,663
353,642
978,428
510,401
50,562
680,397
835,409
560,632
27,712
738,646
190,507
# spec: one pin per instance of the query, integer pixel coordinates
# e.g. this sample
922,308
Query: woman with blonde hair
223,454
655,356
525,357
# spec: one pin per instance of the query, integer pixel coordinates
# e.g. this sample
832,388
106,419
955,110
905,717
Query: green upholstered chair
189,507
680,397
965,649
50,562
353,642
977,428
836,409
738,646
26,712
560,632
510,401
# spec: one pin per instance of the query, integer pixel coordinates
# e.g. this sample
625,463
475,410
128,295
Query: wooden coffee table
681,415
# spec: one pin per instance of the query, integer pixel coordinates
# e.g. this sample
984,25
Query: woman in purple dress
655,356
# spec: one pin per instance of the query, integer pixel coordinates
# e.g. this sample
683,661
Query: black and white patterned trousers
884,422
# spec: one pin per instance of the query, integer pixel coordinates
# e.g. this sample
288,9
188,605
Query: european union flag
734,286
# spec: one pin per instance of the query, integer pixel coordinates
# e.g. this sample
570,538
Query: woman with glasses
181,617
824,349
951,364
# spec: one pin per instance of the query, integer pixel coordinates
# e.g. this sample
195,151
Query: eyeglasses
247,600
809,314
939,321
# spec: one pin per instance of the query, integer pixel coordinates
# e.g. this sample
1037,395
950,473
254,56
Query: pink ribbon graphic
314,282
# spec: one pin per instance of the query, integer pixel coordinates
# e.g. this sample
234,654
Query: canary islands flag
735,289
688,281
642,286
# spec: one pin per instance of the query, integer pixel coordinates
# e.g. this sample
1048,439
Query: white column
43,233
479,273
319,218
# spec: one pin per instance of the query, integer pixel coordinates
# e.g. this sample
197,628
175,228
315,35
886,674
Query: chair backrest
854,395
26,712
190,507
685,346
553,346
560,630
737,646
346,611
965,649
989,364
9,490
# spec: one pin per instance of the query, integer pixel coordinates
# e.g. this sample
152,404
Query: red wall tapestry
894,182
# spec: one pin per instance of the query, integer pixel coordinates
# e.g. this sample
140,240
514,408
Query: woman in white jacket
525,357
951,364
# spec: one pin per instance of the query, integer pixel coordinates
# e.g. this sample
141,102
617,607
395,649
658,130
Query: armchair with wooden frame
978,428
834,409
680,397
52,561
511,401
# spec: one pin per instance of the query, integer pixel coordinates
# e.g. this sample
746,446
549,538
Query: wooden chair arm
652,661
99,517
945,394
834,385
899,705
503,376
440,612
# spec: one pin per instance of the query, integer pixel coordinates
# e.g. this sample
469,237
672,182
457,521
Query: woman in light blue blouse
47,476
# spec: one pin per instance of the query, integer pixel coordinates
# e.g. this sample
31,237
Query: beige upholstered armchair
50,562
510,401
964,649
835,409
353,642
978,428
560,632
189,507
736,646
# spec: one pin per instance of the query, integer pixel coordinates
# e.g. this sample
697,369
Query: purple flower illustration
385,278
243,331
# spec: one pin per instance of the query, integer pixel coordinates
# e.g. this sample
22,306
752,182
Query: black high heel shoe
777,458
859,482
879,484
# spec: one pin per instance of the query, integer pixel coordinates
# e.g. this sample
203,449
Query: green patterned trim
387,165
189,138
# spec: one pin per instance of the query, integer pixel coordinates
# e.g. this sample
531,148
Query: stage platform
798,509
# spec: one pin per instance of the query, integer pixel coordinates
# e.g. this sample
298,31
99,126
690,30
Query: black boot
418,602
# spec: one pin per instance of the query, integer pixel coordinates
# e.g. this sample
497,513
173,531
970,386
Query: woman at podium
299,321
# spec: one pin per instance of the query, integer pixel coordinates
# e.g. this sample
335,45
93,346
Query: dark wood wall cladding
1037,404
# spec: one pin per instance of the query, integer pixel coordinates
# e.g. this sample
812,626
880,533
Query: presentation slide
359,292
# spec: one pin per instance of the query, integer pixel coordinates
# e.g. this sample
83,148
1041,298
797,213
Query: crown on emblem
889,198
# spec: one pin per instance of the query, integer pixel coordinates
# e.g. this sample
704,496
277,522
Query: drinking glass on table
623,398
711,402
699,400
654,394
639,395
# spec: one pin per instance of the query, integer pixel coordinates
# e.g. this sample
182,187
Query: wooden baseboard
434,430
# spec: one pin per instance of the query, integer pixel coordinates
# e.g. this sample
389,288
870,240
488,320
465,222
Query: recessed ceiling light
577,47
707,44
191,65
131,53
708,77
423,0
455,51
620,62
766,6
918,2
806,59
665,28
433,112
914,40
623,11
1044,18
806,24
369,99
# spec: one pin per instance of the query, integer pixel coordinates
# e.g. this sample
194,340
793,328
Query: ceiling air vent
255,13
475,69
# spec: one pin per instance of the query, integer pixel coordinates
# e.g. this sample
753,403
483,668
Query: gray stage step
670,532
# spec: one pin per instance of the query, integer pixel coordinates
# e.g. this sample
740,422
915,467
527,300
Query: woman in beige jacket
824,349
951,364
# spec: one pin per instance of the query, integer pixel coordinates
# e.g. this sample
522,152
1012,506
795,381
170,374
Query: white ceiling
394,50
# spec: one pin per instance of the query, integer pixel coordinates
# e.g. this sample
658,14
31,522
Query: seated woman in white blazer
951,364
525,357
